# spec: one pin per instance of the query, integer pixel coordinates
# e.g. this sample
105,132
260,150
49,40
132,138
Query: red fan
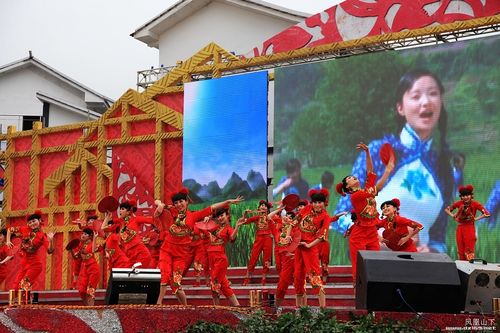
73,244
211,225
108,204
393,239
291,202
386,152
296,237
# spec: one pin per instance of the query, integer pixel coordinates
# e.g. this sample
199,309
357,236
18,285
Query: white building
32,91
235,25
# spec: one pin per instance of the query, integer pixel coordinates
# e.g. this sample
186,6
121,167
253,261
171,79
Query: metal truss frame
393,41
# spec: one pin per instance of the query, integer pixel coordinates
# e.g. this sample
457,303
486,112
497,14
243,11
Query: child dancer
466,216
397,225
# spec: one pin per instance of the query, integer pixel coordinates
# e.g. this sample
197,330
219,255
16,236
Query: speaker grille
482,279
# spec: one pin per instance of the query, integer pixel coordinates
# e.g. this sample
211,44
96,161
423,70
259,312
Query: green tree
355,102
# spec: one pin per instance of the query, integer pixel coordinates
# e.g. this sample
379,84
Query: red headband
465,190
319,195
179,195
264,202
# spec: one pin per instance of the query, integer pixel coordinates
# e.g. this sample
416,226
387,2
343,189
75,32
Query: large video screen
322,110
225,147
225,137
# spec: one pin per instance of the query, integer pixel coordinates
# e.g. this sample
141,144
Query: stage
60,310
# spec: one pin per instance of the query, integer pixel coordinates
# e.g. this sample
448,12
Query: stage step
339,290
336,274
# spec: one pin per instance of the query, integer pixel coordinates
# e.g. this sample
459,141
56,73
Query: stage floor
61,310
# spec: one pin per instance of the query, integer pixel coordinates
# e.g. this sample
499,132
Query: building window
28,122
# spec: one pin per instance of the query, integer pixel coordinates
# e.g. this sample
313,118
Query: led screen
322,110
225,147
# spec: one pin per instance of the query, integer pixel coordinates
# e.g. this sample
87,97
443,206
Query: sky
89,40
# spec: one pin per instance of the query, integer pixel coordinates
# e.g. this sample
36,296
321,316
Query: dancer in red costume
150,236
467,209
92,223
76,262
396,228
217,256
114,254
201,265
5,255
263,242
32,240
284,229
363,234
276,229
324,250
176,253
313,221
129,226
88,277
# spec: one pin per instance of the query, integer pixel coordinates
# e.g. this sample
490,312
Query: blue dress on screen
493,206
414,181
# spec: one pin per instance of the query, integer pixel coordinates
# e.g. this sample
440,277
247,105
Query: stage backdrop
225,145
323,109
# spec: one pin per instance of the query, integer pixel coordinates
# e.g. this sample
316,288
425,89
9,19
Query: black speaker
480,284
133,286
407,281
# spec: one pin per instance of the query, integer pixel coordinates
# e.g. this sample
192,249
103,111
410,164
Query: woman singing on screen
422,178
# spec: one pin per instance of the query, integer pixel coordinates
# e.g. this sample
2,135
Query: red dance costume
286,258
200,244
176,252
276,227
466,230
312,226
5,252
324,251
132,243
364,234
76,265
263,243
32,242
114,253
399,225
88,278
218,261
151,239
75,254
